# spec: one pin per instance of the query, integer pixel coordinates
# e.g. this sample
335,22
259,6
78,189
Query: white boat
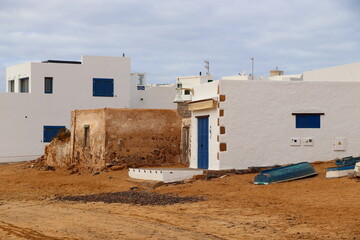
338,172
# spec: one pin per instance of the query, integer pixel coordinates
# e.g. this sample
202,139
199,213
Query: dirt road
313,208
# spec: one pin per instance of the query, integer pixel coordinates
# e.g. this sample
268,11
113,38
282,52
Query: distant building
40,97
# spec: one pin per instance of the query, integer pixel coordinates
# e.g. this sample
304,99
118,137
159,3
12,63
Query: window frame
102,88
11,86
308,120
24,88
48,88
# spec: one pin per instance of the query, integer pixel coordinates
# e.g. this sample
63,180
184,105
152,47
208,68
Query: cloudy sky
169,38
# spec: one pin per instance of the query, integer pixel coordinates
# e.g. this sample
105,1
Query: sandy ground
313,208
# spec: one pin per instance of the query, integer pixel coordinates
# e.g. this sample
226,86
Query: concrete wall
139,137
347,72
153,97
258,122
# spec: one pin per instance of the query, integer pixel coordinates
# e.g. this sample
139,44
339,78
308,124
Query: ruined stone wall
88,137
185,141
142,137
57,154
183,109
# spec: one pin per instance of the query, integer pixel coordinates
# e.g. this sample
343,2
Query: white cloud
173,37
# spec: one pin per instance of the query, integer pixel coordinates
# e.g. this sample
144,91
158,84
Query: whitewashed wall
207,90
348,72
154,97
259,123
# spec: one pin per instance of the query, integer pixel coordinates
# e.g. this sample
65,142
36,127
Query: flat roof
61,61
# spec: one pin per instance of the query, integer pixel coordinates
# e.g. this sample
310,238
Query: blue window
308,120
51,131
103,87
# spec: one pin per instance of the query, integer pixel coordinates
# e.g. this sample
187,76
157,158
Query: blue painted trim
341,168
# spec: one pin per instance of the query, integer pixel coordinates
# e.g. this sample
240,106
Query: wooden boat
337,172
286,173
347,161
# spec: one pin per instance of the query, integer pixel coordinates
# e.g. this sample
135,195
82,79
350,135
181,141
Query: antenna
252,68
207,67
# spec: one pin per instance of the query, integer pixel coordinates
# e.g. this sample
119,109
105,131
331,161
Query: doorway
203,142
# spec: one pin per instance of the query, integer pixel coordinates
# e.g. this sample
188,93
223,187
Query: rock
134,188
96,173
49,168
117,168
199,177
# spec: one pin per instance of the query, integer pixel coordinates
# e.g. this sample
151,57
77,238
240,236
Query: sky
171,38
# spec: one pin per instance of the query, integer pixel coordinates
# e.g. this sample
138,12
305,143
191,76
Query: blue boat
337,172
347,161
286,173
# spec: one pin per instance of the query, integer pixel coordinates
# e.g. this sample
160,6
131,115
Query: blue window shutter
308,121
50,132
103,87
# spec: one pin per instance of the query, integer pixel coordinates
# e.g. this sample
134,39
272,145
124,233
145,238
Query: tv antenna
207,67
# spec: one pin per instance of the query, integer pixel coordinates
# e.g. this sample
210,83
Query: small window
24,85
210,80
141,79
51,131
308,120
103,87
11,86
86,135
187,92
48,88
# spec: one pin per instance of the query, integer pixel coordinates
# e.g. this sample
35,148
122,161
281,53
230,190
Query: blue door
203,142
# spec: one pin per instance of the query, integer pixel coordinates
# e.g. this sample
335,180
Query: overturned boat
337,172
347,161
286,173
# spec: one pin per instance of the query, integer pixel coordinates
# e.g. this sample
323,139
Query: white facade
253,123
187,85
23,115
348,73
145,96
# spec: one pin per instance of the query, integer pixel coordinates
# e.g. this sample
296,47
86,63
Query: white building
347,72
148,96
41,96
239,124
